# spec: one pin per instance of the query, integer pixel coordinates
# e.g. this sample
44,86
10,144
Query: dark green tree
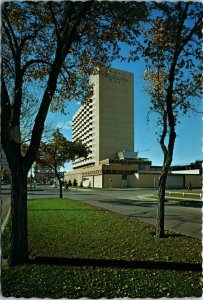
75,183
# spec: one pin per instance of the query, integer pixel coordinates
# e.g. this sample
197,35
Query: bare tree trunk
19,232
161,205
60,184
60,188
168,157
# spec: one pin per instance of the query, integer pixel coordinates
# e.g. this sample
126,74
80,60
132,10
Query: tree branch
73,33
55,23
43,109
34,61
29,37
61,52
5,115
186,96
10,28
189,36
10,41
8,64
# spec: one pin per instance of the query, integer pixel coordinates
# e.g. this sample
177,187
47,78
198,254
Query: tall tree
172,52
51,48
59,151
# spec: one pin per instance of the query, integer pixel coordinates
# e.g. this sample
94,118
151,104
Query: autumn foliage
172,52
49,49
59,151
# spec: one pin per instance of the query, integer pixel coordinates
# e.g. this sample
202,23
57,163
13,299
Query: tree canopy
49,49
58,151
172,52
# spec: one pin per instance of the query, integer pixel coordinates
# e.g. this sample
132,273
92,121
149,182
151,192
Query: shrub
75,183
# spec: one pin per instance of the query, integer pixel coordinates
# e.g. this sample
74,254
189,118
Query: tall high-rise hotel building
106,122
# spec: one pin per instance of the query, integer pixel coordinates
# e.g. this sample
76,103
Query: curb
148,197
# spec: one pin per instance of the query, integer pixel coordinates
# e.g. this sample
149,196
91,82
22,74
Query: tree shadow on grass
111,263
169,234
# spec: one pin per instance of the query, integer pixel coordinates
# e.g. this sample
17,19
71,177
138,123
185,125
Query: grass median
192,195
77,250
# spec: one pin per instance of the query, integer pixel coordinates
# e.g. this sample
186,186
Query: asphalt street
135,203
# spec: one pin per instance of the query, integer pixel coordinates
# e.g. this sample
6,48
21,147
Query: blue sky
188,145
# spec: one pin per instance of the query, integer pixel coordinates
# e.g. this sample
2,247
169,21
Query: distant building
193,168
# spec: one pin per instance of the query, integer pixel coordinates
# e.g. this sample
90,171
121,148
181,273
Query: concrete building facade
108,173
106,122
129,175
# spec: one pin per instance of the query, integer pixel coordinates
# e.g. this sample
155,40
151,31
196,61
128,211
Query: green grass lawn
78,251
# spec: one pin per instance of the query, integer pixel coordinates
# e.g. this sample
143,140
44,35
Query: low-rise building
108,173
130,174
